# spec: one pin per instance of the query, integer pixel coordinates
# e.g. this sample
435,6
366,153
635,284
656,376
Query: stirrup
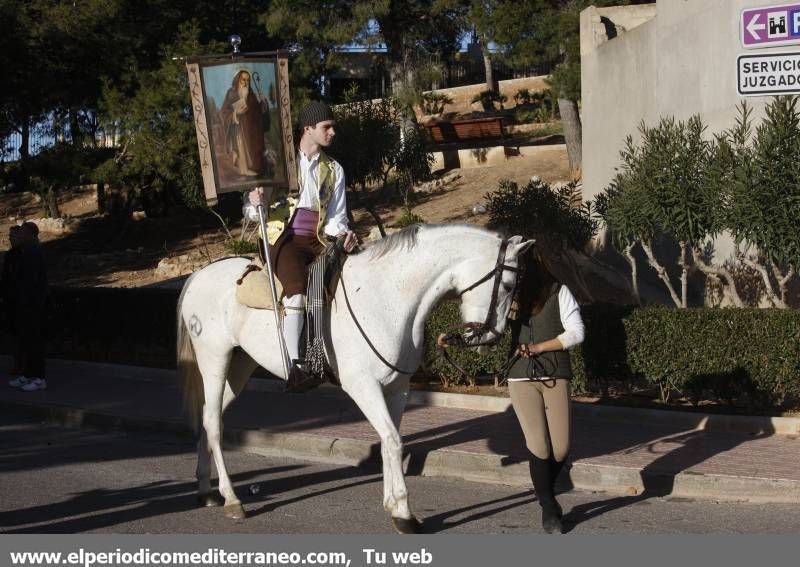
300,381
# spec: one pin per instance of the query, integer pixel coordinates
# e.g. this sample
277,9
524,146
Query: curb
484,468
757,425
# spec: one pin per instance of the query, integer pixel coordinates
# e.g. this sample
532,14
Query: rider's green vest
326,183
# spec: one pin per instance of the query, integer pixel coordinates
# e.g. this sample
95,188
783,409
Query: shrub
488,100
434,103
408,218
523,96
241,247
749,354
601,360
444,319
538,210
677,181
541,107
370,147
745,356
536,116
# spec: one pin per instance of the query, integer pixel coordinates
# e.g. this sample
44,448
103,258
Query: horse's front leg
396,399
369,397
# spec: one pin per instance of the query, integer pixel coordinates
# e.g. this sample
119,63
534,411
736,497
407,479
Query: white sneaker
35,384
18,382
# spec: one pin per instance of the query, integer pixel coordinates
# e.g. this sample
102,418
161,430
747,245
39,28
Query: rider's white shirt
336,221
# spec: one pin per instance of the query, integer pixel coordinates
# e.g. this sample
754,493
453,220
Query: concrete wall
598,25
618,90
680,62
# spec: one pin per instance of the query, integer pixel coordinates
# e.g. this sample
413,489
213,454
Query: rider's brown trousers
291,255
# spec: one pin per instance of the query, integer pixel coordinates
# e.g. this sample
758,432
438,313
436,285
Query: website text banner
393,551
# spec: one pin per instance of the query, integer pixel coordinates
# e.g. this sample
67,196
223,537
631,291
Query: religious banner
243,122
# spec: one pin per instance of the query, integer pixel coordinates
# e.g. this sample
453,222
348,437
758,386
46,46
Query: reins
363,334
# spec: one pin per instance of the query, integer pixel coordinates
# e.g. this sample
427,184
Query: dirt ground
99,250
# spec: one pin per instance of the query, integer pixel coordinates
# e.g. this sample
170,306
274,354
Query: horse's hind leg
239,371
370,399
214,367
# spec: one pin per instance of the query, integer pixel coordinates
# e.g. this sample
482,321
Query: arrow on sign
753,27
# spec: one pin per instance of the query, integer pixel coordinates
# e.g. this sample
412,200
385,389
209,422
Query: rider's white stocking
293,323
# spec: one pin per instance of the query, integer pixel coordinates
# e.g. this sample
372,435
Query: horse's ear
518,245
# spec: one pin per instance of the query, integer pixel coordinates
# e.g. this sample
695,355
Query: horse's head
486,286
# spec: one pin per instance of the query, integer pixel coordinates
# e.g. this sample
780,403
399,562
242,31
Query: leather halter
475,329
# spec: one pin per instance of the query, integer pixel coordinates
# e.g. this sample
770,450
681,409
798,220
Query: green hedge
744,356
750,355
444,319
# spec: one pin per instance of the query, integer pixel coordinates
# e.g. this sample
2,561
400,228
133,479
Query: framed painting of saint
243,122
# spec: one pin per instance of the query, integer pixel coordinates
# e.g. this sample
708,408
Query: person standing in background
27,289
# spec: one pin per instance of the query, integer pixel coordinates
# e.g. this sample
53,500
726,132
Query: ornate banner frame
243,122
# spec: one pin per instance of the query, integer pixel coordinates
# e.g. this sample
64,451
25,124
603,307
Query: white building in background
672,58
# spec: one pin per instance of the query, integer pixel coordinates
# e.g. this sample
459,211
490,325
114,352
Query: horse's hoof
234,511
210,499
407,526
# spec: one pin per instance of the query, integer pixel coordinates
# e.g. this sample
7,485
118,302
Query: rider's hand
441,341
350,240
256,196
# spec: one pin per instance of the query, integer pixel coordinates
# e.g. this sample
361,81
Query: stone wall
462,96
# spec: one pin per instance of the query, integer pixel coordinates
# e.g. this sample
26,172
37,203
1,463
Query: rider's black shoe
300,381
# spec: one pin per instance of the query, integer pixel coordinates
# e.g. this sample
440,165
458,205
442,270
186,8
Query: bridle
473,329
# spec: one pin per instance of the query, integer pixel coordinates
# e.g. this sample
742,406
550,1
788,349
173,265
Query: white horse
391,287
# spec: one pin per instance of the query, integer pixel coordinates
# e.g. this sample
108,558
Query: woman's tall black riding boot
543,484
555,470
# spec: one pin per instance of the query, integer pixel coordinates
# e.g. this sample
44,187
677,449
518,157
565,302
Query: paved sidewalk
639,453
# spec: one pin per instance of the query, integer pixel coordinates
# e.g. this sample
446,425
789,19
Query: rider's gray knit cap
313,113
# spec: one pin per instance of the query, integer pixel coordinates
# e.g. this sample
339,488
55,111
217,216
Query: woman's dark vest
538,328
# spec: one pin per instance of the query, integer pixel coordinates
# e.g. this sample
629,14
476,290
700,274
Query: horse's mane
406,238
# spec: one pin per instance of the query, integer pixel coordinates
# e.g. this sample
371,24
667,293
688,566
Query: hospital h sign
770,26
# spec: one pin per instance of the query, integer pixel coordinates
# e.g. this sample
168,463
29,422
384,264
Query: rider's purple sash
304,222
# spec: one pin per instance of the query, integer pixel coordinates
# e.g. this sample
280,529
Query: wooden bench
467,129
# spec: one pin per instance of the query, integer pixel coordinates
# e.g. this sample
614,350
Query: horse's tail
193,395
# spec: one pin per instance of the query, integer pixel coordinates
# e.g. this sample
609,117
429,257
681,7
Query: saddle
253,287
253,290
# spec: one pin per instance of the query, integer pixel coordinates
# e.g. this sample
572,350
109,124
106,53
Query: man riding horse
320,216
